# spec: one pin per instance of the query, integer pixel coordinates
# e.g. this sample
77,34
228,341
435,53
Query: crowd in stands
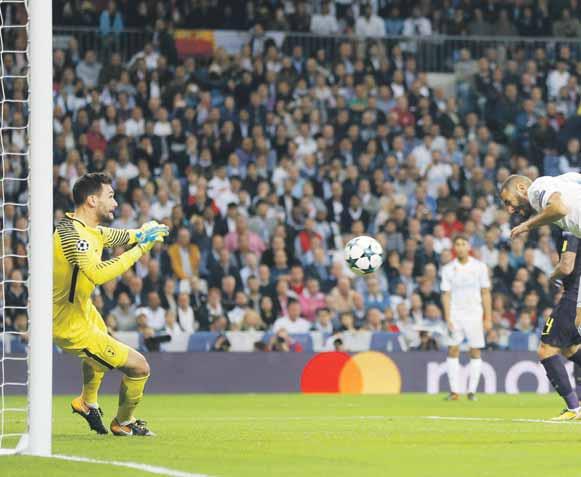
327,17
264,164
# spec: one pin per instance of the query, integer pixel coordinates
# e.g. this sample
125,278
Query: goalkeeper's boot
453,397
90,414
135,428
568,415
472,397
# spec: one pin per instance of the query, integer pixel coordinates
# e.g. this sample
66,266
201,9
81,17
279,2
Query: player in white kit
468,313
557,200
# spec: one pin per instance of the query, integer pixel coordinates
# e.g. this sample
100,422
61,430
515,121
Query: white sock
474,376
453,365
92,405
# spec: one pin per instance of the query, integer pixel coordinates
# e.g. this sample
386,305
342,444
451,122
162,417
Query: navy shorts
559,330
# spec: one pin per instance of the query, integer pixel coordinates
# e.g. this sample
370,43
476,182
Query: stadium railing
434,53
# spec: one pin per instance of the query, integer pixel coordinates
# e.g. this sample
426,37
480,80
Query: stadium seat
201,341
17,346
305,340
385,341
519,341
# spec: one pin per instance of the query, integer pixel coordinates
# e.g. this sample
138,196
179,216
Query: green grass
300,435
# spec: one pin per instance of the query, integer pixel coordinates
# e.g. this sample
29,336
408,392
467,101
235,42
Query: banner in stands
368,372
204,42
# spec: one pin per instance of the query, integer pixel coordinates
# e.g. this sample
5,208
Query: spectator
293,323
184,255
325,22
88,70
369,24
185,314
154,313
311,300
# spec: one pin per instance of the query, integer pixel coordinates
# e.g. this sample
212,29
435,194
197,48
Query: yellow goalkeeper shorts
87,338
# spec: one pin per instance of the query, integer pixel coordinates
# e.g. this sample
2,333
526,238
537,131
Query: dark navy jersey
571,281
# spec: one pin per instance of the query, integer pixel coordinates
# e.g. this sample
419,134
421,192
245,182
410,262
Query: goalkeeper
78,328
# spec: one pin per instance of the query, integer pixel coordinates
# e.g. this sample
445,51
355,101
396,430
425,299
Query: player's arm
118,237
486,298
486,307
99,271
446,306
78,253
554,210
445,287
568,255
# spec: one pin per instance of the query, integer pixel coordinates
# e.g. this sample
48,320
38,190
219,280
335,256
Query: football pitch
320,435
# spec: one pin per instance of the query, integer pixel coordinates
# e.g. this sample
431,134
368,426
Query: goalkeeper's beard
106,217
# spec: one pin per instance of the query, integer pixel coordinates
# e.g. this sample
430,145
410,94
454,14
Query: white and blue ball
364,255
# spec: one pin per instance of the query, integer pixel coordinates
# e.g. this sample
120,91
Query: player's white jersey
465,283
569,185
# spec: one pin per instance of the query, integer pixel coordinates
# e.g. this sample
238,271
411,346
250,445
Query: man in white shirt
161,209
324,23
467,311
293,323
369,25
557,79
557,200
153,312
417,25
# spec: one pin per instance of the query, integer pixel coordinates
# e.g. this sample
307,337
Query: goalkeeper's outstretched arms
90,263
119,237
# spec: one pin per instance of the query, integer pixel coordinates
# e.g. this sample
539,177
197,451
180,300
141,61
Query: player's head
461,246
513,194
94,192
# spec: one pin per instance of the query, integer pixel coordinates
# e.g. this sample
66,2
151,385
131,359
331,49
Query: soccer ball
364,255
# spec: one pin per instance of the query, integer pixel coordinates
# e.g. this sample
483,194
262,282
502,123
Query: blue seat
385,341
17,346
305,340
201,341
518,341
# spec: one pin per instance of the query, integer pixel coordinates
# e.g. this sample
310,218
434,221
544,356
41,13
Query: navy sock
558,377
577,375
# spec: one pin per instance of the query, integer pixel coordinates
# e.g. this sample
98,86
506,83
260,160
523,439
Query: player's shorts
91,341
559,330
471,330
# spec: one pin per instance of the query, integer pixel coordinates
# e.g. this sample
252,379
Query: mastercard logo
370,372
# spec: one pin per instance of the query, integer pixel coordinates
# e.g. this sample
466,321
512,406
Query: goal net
25,211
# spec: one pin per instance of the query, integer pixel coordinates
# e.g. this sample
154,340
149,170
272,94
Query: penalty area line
151,469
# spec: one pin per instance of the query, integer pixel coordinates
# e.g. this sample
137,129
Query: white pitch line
152,469
373,418
496,419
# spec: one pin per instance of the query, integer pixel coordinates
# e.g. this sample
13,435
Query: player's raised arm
117,237
77,252
568,256
554,210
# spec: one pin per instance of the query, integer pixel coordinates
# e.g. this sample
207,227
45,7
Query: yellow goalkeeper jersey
78,268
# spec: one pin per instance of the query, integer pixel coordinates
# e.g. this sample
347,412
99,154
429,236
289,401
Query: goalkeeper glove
150,233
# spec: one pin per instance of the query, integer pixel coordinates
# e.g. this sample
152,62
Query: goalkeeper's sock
92,379
453,367
130,395
559,378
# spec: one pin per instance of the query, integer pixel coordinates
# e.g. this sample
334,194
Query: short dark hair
89,184
460,237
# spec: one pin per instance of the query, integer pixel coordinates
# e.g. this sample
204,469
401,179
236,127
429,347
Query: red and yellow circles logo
364,373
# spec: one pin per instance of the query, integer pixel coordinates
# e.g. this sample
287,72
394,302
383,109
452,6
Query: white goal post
41,227
35,438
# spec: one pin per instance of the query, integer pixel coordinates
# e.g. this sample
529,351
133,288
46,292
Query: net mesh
14,201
